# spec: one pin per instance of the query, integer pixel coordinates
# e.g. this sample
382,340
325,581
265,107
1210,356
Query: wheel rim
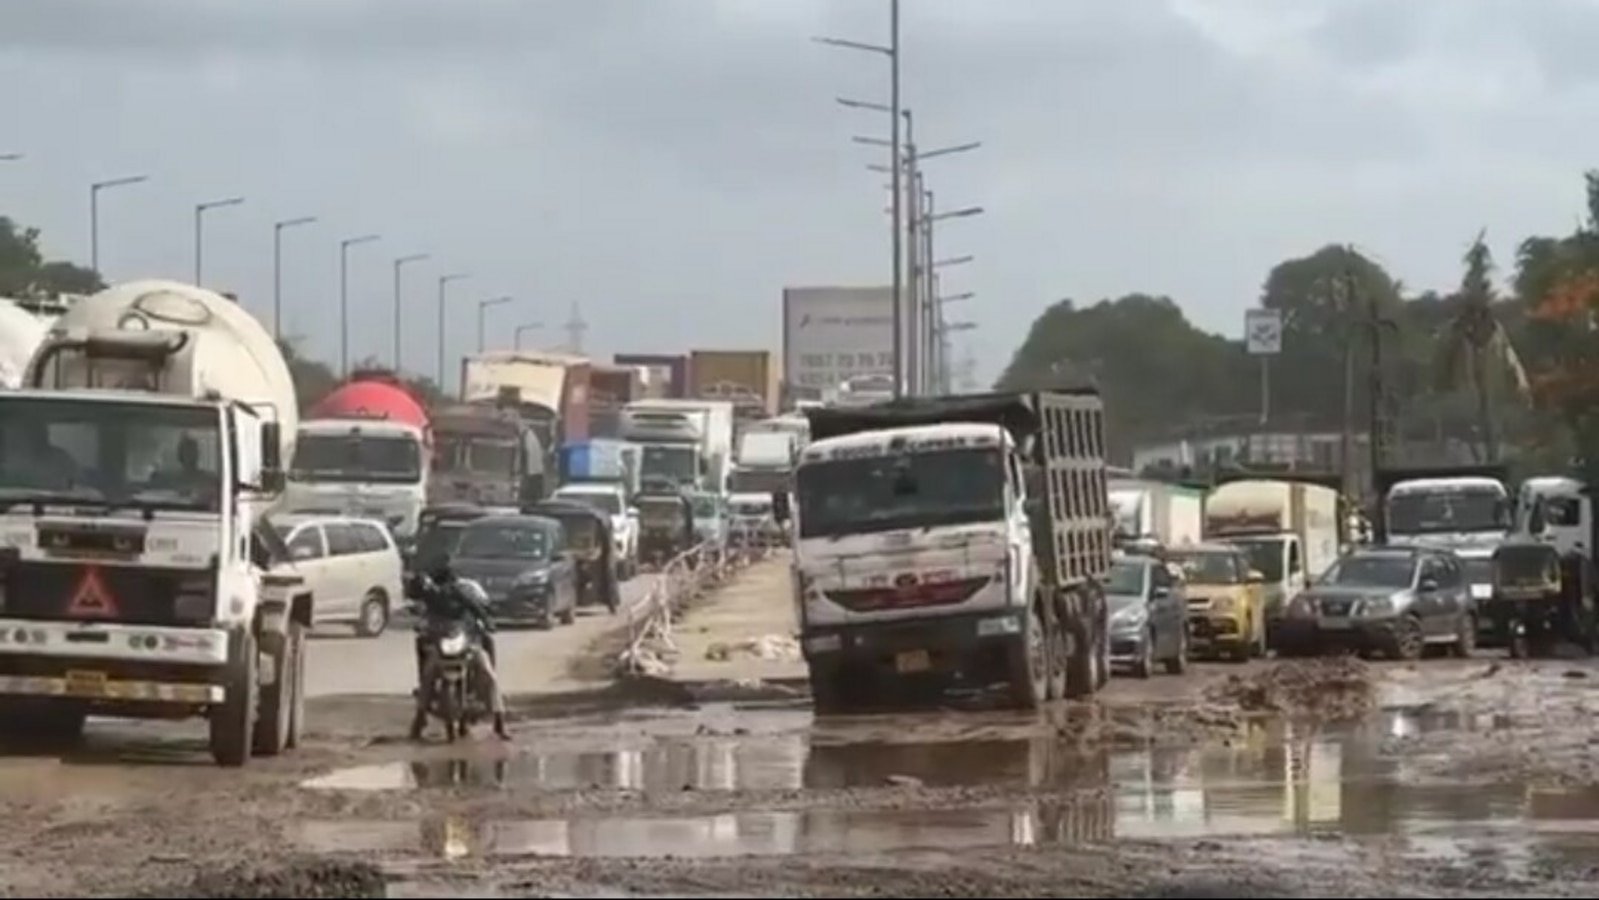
374,615
1037,656
1410,640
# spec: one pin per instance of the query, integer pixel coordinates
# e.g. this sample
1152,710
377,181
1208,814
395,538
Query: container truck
141,575
365,450
1155,512
746,378
684,443
956,539
1290,529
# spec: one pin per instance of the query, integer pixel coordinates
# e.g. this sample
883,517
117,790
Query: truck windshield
483,455
1265,556
759,481
147,455
1441,512
337,458
677,462
885,493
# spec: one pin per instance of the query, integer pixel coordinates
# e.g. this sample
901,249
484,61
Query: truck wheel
233,723
1081,665
297,643
1058,647
828,697
275,715
1029,662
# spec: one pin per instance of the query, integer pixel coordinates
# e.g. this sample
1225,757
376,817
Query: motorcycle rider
447,598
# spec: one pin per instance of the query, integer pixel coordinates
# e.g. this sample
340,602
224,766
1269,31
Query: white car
611,500
351,565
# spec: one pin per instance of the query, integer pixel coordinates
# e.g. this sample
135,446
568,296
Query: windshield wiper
10,498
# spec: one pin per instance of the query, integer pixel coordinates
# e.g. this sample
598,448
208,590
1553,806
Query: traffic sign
1263,332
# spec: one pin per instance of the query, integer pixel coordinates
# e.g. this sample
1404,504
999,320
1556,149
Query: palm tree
1476,351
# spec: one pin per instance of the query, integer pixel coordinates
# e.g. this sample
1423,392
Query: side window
1433,568
341,540
307,544
1293,558
374,538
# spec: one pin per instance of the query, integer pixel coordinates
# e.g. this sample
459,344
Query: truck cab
1558,511
137,469
1466,509
942,539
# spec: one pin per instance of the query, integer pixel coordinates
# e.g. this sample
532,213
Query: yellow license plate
86,684
913,661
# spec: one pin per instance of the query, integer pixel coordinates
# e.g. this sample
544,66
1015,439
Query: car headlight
535,578
1129,617
454,645
1377,606
1302,606
1222,604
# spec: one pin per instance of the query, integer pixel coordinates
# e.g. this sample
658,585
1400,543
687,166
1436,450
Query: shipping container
610,389
666,375
747,378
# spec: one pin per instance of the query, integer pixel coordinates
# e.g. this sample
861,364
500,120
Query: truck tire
828,694
232,723
297,642
1059,646
1030,661
275,715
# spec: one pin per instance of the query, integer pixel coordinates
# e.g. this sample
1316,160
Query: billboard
834,333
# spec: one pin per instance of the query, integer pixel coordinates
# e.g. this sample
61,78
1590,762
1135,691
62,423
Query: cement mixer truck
21,332
140,575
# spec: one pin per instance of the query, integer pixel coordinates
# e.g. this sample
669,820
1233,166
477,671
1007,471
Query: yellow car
1226,603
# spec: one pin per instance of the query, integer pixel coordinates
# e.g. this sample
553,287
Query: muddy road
1318,778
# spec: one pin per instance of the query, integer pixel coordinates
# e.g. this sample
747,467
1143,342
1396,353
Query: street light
482,308
524,329
199,229
892,51
957,298
400,263
277,269
443,281
11,157
953,261
344,297
94,212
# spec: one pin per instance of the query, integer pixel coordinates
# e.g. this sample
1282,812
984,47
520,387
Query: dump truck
910,564
140,460
365,450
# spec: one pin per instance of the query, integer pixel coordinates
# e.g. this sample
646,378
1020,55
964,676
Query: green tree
26,274
1475,351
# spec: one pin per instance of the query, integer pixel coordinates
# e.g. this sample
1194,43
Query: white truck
953,540
688,443
1154,512
765,461
1464,508
1290,529
137,465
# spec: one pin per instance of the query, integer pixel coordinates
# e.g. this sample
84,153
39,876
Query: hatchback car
524,566
352,566
1148,617
1390,600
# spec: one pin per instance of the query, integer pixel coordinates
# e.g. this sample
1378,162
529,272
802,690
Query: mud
1300,778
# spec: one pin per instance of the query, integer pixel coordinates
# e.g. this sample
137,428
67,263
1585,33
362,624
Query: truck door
1294,575
1019,532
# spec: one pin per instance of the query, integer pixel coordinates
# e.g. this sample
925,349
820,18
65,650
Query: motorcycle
452,693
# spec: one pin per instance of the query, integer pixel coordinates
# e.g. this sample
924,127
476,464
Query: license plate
913,661
1336,624
86,684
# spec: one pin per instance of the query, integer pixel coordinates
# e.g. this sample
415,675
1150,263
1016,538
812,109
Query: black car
524,566
438,530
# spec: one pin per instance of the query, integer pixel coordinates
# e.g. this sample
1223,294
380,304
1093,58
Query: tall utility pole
399,308
482,314
200,209
927,324
344,298
896,169
94,211
444,281
277,270
576,327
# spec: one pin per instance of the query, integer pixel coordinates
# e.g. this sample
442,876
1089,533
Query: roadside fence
683,579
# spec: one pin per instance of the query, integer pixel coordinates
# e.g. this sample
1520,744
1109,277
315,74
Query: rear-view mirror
271,445
1160,591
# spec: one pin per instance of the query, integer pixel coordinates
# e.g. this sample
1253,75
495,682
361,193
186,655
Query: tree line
1506,362
26,273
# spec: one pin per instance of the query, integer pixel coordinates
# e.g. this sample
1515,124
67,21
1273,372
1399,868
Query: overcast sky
671,164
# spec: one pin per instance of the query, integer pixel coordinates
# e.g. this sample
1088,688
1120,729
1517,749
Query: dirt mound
300,878
1328,688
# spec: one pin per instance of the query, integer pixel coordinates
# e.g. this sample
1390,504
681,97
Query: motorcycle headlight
453,645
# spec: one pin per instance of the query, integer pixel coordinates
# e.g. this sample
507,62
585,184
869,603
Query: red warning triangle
93,599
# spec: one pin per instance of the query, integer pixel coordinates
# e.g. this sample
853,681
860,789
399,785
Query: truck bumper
112,666
969,645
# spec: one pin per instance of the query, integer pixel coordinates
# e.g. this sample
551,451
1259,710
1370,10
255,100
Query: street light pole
199,230
516,339
94,212
277,270
344,298
482,308
401,263
11,157
444,280
892,51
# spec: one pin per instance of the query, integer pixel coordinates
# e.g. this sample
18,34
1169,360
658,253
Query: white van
352,566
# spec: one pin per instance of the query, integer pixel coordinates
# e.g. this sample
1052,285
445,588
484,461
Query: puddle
1274,781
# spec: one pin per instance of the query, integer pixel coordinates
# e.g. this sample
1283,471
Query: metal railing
683,579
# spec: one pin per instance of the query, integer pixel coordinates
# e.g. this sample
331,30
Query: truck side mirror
780,510
273,479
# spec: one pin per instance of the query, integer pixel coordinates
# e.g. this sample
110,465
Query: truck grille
876,599
131,595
